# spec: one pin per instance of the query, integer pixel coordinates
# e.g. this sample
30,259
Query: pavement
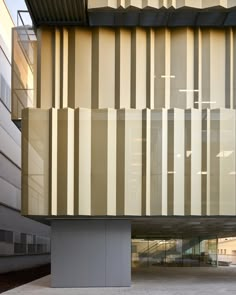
156,280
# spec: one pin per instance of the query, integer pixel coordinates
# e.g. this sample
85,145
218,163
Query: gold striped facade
131,122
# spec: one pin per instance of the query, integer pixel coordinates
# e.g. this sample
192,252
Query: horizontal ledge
163,18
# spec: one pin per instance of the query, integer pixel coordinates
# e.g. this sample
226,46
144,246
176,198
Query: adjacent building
129,131
24,243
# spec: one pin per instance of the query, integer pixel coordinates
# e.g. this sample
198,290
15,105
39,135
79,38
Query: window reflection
174,252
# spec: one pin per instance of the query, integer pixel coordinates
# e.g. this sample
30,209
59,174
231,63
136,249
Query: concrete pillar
91,253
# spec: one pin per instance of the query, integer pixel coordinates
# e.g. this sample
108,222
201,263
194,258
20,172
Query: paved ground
160,281
17,278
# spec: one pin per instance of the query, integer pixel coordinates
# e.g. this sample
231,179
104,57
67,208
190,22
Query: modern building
130,132
227,251
24,243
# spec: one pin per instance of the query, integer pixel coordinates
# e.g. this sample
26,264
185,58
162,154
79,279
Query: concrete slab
155,281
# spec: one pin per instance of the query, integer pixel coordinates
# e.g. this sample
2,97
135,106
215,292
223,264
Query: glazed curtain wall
195,251
129,162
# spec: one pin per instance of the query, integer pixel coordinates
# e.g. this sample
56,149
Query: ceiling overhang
57,12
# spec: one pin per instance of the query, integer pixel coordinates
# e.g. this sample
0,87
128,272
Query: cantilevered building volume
131,129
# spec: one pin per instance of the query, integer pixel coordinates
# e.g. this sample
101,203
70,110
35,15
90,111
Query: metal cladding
129,162
132,121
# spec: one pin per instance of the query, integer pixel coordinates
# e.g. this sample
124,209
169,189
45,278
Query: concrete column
91,253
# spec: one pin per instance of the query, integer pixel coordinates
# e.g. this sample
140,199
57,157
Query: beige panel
53,159
217,57
205,162
229,70
80,63
213,68
205,94
193,156
150,72
222,157
214,162
226,156
158,163
162,71
129,162
182,53
103,182
138,68
36,167
57,68
146,161
106,68
82,161
120,169
65,162
123,69
45,68
234,67
111,161
197,68
176,158
103,73
64,68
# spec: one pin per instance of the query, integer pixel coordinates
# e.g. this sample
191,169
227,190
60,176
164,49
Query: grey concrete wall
91,253
13,221
13,263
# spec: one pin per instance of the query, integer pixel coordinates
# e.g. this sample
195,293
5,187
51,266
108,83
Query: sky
13,6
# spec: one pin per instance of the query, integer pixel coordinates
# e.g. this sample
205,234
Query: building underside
128,126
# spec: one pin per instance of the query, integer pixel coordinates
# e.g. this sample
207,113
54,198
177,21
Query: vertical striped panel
123,69
65,162
234,67
120,174
80,68
35,171
53,159
82,161
150,71
45,68
114,162
167,68
103,181
158,162
106,68
111,161
138,68
193,166
146,157
226,157
176,162
64,68
182,53
56,68
214,162
162,71
129,162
